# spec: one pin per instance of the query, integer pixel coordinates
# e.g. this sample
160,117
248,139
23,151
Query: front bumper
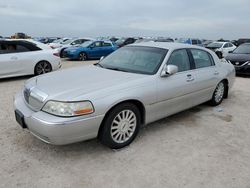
244,69
71,55
57,130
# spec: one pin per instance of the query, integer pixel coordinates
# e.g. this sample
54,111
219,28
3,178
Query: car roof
166,45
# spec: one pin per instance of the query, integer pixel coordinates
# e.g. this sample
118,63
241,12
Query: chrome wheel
123,126
43,67
219,92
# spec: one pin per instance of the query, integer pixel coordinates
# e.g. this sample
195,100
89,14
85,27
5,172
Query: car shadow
18,78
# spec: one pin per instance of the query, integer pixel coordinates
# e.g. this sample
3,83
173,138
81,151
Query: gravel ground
200,147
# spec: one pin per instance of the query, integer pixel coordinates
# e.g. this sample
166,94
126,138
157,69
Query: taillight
56,54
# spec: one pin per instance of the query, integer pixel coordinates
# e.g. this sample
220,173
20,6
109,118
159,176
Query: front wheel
43,67
121,126
82,56
219,94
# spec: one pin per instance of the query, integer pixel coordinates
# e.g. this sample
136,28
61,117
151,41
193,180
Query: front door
175,92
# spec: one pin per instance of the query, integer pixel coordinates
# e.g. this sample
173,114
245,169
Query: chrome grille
34,98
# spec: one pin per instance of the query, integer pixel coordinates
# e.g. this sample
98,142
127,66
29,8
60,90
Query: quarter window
201,58
180,59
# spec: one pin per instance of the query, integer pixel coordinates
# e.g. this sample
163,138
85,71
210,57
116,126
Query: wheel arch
136,102
34,71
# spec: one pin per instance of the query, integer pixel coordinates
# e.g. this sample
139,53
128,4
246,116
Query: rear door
206,75
9,61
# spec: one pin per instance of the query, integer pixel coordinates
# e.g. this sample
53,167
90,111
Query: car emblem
237,63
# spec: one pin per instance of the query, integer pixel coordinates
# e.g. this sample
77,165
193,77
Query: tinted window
194,42
199,42
180,59
230,45
21,48
226,45
201,58
107,44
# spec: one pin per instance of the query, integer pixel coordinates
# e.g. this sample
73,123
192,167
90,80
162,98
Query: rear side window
107,44
180,59
226,45
201,58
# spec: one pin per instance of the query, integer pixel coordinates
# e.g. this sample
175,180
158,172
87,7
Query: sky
209,19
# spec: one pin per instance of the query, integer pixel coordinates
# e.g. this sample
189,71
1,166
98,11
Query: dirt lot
201,147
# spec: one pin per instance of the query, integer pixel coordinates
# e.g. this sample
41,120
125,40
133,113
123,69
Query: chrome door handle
190,78
13,58
216,73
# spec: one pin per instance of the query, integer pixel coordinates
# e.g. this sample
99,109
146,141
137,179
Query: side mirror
101,58
169,70
230,52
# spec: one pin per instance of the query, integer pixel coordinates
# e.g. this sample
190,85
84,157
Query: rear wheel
82,56
219,94
43,67
121,126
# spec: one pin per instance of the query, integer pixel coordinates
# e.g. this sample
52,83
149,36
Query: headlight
68,109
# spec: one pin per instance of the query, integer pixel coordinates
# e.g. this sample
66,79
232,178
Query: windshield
135,59
68,41
86,44
242,49
215,45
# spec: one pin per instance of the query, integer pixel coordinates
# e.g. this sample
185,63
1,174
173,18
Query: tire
62,53
218,94
42,67
82,56
121,126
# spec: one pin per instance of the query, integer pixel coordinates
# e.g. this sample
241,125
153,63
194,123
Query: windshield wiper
98,64
116,69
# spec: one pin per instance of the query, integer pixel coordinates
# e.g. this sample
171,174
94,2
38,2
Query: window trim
210,57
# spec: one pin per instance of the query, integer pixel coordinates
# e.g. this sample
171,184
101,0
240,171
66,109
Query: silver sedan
136,85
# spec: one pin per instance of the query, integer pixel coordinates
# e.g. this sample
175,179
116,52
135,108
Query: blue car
90,50
190,41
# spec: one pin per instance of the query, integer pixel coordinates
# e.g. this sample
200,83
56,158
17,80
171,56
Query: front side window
201,58
180,58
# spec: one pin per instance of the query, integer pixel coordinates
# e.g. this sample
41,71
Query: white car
26,57
221,48
57,43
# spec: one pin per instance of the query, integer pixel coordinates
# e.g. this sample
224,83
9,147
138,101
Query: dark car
242,41
240,58
125,41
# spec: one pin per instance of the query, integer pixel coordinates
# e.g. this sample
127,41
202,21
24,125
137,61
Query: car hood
238,57
74,83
